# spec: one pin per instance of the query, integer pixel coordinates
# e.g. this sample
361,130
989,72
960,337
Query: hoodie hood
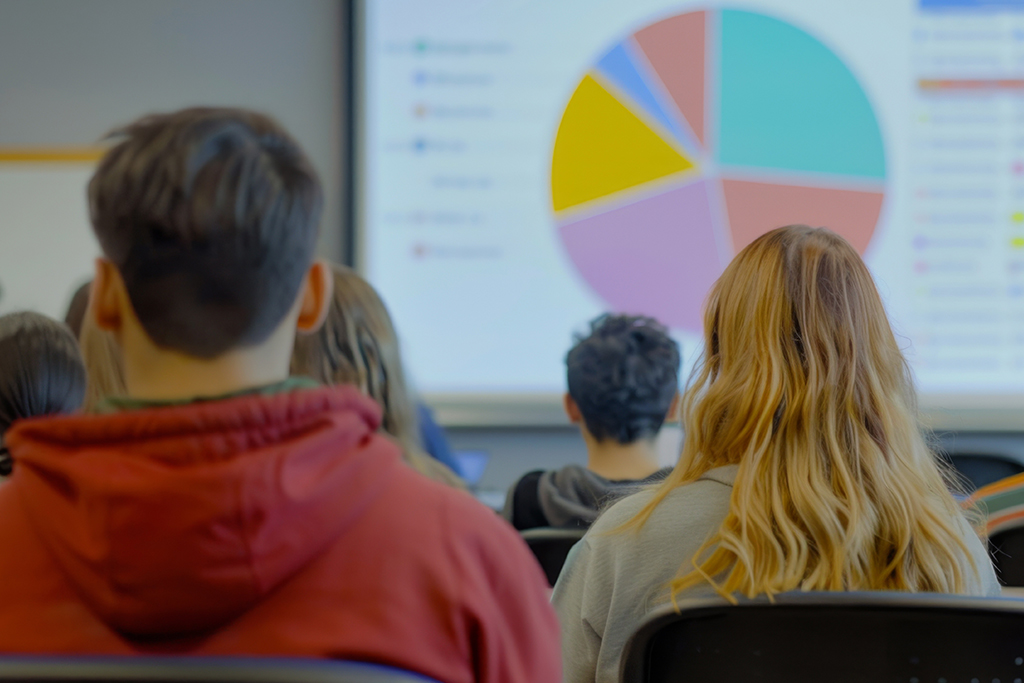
173,521
574,496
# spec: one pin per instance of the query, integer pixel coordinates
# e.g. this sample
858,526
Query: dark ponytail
41,371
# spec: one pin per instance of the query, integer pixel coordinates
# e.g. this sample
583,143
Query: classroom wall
69,71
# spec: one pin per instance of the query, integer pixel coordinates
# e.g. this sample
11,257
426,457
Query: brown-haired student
224,507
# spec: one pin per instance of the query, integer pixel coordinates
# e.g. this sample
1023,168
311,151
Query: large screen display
525,166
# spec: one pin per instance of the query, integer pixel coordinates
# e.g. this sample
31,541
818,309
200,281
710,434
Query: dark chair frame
146,669
1006,548
968,463
636,662
537,536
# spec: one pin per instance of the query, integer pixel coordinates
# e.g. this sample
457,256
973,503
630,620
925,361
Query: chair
835,637
551,546
983,469
1007,552
84,669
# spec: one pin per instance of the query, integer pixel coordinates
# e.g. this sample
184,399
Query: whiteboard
47,247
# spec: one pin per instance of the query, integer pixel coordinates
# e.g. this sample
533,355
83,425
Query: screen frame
939,412
357,131
348,55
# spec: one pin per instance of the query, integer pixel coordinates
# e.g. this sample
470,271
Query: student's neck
616,461
155,374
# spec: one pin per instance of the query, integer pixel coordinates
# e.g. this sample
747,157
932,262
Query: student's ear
572,410
106,296
317,290
672,416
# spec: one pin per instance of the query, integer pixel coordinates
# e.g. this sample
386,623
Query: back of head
623,377
803,385
797,341
41,371
103,364
75,315
211,218
357,345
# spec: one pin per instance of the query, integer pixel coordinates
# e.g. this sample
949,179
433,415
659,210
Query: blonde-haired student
357,345
803,464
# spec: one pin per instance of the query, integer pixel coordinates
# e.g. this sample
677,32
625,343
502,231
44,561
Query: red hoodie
277,525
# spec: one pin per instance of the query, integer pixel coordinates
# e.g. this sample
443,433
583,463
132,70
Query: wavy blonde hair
104,364
803,386
357,345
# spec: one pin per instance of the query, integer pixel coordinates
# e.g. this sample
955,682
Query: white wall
72,69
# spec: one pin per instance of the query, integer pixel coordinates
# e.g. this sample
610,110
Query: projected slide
527,166
695,135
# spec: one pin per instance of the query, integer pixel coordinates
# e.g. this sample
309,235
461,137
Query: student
803,464
623,380
226,508
41,372
75,315
357,345
103,365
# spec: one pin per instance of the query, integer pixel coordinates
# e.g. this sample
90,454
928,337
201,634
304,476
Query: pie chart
695,135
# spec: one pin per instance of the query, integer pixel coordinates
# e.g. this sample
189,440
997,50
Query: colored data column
603,148
756,207
676,51
655,257
788,102
619,66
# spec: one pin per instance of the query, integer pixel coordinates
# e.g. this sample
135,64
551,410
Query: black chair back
551,546
59,669
984,469
835,637
1007,551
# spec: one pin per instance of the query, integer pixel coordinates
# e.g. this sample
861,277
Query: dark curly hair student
41,371
623,379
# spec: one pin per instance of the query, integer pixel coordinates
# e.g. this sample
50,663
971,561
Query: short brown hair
211,216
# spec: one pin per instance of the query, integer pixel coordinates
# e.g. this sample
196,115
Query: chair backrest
835,637
551,546
982,469
1007,551
84,669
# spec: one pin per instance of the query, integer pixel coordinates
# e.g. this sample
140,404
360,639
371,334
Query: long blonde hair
803,386
358,345
104,364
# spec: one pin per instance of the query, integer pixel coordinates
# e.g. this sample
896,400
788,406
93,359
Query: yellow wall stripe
50,155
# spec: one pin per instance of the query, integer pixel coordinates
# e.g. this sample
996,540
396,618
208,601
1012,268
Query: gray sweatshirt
611,581
569,498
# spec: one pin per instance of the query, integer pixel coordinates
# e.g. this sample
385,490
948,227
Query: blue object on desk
435,442
470,465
